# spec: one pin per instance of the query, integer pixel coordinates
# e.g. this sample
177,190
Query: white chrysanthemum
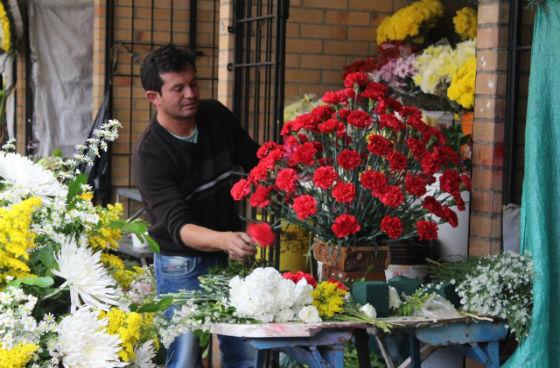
368,310
84,273
309,314
29,178
144,355
83,341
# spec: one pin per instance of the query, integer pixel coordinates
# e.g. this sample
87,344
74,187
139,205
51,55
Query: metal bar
147,43
28,85
247,79
214,31
257,18
414,348
257,83
192,24
237,13
361,339
131,100
250,65
267,76
510,128
171,33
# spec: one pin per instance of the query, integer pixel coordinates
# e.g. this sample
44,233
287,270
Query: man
183,169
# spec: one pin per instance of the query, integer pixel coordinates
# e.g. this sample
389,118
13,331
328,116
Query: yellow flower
406,22
123,276
466,22
16,238
18,356
461,89
86,196
132,328
328,298
6,37
104,237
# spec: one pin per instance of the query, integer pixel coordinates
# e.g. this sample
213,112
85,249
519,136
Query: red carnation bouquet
359,169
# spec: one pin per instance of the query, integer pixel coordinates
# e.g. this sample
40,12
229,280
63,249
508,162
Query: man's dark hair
168,58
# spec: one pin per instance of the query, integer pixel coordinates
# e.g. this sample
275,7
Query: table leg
361,339
492,350
414,348
259,359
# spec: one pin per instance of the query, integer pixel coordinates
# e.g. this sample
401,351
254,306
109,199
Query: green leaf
46,256
160,306
41,282
75,187
148,308
152,244
165,303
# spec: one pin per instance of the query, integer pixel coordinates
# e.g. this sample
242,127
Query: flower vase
353,262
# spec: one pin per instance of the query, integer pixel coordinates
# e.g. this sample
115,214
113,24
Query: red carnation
240,190
324,177
411,112
297,276
286,180
375,181
286,128
415,185
266,148
359,118
430,163
358,79
449,216
304,206
303,154
348,159
393,196
343,113
416,146
329,125
375,91
344,192
339,284
260,197
449,181
427,230
345,225
261,234
379,145
391,122
258,173
322,112
448,155
392,226
305,121
432,205
397,161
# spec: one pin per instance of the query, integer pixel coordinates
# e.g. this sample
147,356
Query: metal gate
258,97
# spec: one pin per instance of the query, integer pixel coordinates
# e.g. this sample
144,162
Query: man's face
179,94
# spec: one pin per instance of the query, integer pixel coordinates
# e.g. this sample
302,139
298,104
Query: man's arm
162,195
236,244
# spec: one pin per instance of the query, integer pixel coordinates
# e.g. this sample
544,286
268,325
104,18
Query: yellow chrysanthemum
6,37
407,21
127,326
118,270
328,298
16,238
87,196
18,356
466,22
461,89
438,64
105,237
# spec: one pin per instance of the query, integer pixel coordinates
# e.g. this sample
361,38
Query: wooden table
322,345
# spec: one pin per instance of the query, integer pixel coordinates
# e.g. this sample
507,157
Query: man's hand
238,245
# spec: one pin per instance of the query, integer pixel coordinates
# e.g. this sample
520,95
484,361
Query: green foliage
413,303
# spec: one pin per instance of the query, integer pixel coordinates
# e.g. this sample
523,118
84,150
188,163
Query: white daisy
83,341
29,178
144,355
84,273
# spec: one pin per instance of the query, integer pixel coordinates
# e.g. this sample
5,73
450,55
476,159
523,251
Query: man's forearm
202,238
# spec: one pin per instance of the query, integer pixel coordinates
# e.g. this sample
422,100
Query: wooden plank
289,329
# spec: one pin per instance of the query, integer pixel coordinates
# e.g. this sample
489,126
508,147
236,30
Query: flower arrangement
406,22
465,22
501,286
66,298
356,170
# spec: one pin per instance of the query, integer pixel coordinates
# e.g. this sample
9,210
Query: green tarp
540,207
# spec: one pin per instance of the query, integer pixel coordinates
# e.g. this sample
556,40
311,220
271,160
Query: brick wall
488,128
324,36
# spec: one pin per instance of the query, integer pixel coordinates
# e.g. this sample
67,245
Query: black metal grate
519,56
258,97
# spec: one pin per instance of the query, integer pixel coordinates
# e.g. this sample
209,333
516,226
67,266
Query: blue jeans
181,272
